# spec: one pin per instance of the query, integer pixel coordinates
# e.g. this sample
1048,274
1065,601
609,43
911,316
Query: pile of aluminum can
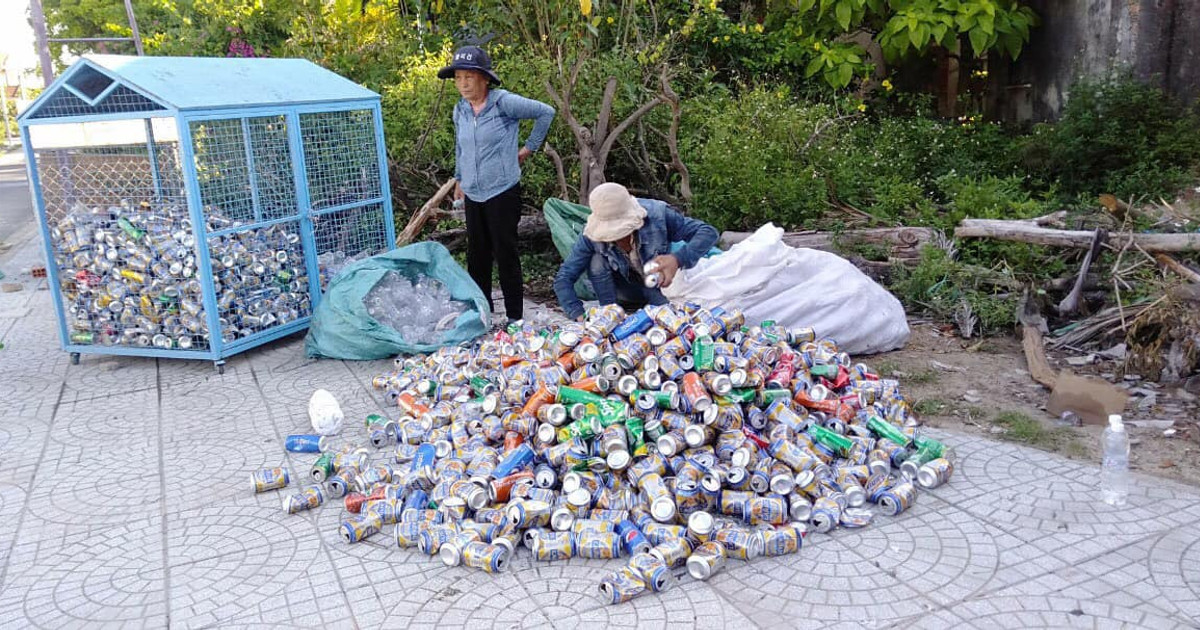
675,437
128,276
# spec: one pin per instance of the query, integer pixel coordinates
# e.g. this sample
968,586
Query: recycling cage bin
196,207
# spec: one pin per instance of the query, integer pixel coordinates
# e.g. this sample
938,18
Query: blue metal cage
196,207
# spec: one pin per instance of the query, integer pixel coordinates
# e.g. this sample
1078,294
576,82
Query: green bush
1120,137
752,166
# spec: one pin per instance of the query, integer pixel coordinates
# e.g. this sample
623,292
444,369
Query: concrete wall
1157,41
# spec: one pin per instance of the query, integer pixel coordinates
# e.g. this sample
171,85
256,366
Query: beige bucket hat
615,213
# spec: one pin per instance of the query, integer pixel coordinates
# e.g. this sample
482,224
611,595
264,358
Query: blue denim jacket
485,146
607,266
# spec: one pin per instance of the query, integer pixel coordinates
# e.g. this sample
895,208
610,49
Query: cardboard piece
1093,400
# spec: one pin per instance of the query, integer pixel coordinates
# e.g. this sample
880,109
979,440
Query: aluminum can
597,545
265,479
488,558
653,571
621,585
306,499
706,560
359,528
739,542
673,551
548,546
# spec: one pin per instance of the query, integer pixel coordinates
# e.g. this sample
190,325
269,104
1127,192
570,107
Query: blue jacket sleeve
519,107
699,235
572,269
457,145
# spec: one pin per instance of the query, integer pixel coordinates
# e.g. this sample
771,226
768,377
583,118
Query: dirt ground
983,386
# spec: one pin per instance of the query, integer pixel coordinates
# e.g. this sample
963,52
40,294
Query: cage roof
114,84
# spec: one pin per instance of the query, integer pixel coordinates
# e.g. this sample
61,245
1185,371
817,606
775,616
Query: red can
694,392
513,439
355,501
541,397
499,490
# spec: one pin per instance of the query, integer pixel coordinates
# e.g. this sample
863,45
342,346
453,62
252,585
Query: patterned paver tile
225,561
826,582
88,577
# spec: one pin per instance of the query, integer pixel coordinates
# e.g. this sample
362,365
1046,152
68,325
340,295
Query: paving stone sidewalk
124,501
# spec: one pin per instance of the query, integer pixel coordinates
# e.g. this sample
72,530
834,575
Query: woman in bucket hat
488,169
622,234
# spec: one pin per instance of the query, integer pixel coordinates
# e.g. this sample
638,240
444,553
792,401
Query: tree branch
548,149
624,124
606,104
685,177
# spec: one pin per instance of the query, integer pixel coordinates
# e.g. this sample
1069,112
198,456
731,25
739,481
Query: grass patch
921,377
930,406
1021,428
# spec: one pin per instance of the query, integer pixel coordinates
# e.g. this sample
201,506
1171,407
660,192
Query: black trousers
492,235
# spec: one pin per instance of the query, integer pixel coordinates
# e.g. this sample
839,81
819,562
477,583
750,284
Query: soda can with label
529,514
306,499
739,542
653,571
632,540
934,473
580,525
621,585
597,545
433,537
548,546
782,540
306,443
897,498
408,534
706,560
265,479
825,515
673,551
451,551
359,528
485,557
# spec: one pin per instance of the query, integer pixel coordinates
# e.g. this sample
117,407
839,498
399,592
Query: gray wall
1157,41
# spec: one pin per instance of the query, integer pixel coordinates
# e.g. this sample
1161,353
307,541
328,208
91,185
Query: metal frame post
216,338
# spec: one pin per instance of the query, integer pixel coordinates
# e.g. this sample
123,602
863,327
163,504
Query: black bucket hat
470,58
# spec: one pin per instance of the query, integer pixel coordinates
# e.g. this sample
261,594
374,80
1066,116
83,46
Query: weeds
1019,427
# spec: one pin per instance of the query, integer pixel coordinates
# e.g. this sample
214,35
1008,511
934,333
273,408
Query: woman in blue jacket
488,169
622,234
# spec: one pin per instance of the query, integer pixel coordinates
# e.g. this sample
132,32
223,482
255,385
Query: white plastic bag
325,413
797,287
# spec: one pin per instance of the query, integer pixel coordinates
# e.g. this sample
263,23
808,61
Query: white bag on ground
797,287
325,413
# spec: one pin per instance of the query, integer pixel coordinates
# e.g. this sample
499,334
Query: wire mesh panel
120,236
244,168
344,236
341,157
121,100
260,279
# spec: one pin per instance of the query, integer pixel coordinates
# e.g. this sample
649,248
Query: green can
930,445
703,353
134,233
83,338
743,395
323,468
374,419
838,443
654,430
824,370
887,430
768,396
583,428
571,395
612,412
481,386
634,427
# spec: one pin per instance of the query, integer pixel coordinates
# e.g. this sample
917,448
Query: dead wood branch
427,211
1028,232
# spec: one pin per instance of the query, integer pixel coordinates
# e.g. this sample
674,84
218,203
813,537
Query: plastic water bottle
1114,476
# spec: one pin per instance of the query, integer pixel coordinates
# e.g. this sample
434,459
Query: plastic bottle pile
420,309
129,277
674,437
